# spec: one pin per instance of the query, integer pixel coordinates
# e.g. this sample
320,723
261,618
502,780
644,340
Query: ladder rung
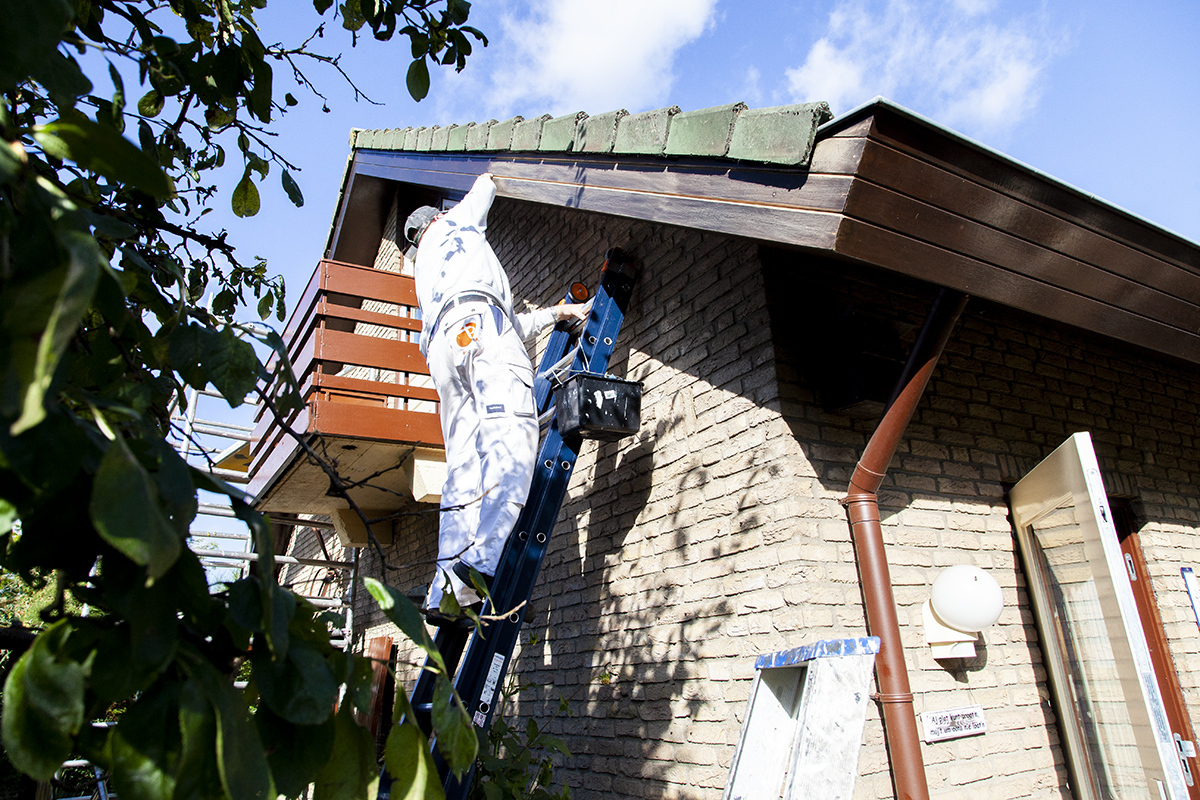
232,476
213,510
242,537
212,423
307,562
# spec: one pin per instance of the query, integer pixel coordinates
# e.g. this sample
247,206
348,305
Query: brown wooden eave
885,188
931,205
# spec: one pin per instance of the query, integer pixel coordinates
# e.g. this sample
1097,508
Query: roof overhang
883,187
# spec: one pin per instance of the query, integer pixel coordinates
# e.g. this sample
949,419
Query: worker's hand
577,311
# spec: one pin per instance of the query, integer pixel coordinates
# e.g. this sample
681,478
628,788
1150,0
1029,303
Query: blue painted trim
826,648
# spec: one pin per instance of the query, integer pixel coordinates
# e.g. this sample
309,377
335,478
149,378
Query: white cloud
959,61
570,55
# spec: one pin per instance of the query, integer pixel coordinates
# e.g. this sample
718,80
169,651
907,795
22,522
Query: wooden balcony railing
352,341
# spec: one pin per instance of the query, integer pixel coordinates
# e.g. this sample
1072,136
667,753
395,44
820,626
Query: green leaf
298,752
118,88
258,164
352,18
299,688
49,309
418,79
410,766
358,684
127,513
350,772
198,775
101,149
260,92
241,761
279,606
8,515
322,5
29,36
203,355
43,704
456,738
245,201
63,78
405,616
217,117
151,104
145,746
293,193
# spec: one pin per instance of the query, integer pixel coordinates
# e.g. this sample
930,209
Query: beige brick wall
715,534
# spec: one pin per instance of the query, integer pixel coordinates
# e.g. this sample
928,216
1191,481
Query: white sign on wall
953,723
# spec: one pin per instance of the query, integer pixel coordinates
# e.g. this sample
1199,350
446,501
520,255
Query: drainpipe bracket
898,699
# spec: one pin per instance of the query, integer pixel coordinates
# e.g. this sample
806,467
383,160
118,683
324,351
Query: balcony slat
374,387
369,351
390,287
328,309
387,424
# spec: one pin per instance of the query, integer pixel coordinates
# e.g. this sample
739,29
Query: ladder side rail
451,642
488,657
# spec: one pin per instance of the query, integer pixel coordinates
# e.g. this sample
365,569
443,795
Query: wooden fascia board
1039,246
868,243
788,207
958,153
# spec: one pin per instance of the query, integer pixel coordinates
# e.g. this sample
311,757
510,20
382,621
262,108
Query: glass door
1110,712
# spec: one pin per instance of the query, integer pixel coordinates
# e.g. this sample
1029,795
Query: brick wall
715,534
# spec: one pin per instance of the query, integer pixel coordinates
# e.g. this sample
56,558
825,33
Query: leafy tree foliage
102,269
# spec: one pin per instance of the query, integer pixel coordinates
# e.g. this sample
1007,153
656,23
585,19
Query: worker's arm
473,208
529,323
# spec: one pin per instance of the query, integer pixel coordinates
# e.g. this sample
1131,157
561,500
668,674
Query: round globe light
966,598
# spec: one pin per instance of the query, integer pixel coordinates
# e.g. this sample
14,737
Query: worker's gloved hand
577,311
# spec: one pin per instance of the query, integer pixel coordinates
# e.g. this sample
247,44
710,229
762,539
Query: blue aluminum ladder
488,655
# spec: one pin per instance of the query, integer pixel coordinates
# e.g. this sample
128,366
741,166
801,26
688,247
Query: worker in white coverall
474,344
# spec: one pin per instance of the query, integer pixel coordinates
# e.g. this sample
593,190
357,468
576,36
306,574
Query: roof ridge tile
645,133
598,134
558,134
705,132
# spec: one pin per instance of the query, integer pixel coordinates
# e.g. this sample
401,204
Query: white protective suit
474,345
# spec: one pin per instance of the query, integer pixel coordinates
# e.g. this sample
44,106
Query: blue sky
1103,95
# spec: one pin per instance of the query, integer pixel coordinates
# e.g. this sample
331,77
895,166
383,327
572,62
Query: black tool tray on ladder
587,403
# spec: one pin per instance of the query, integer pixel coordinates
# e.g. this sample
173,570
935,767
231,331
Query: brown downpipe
862,505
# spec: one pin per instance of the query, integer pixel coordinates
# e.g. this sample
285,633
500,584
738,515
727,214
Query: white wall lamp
964,600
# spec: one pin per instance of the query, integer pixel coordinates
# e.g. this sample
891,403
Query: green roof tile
703,133
501,134
424,137
441,137
527,135
645,133
458,137
477,136
779,135
558,134
598,134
